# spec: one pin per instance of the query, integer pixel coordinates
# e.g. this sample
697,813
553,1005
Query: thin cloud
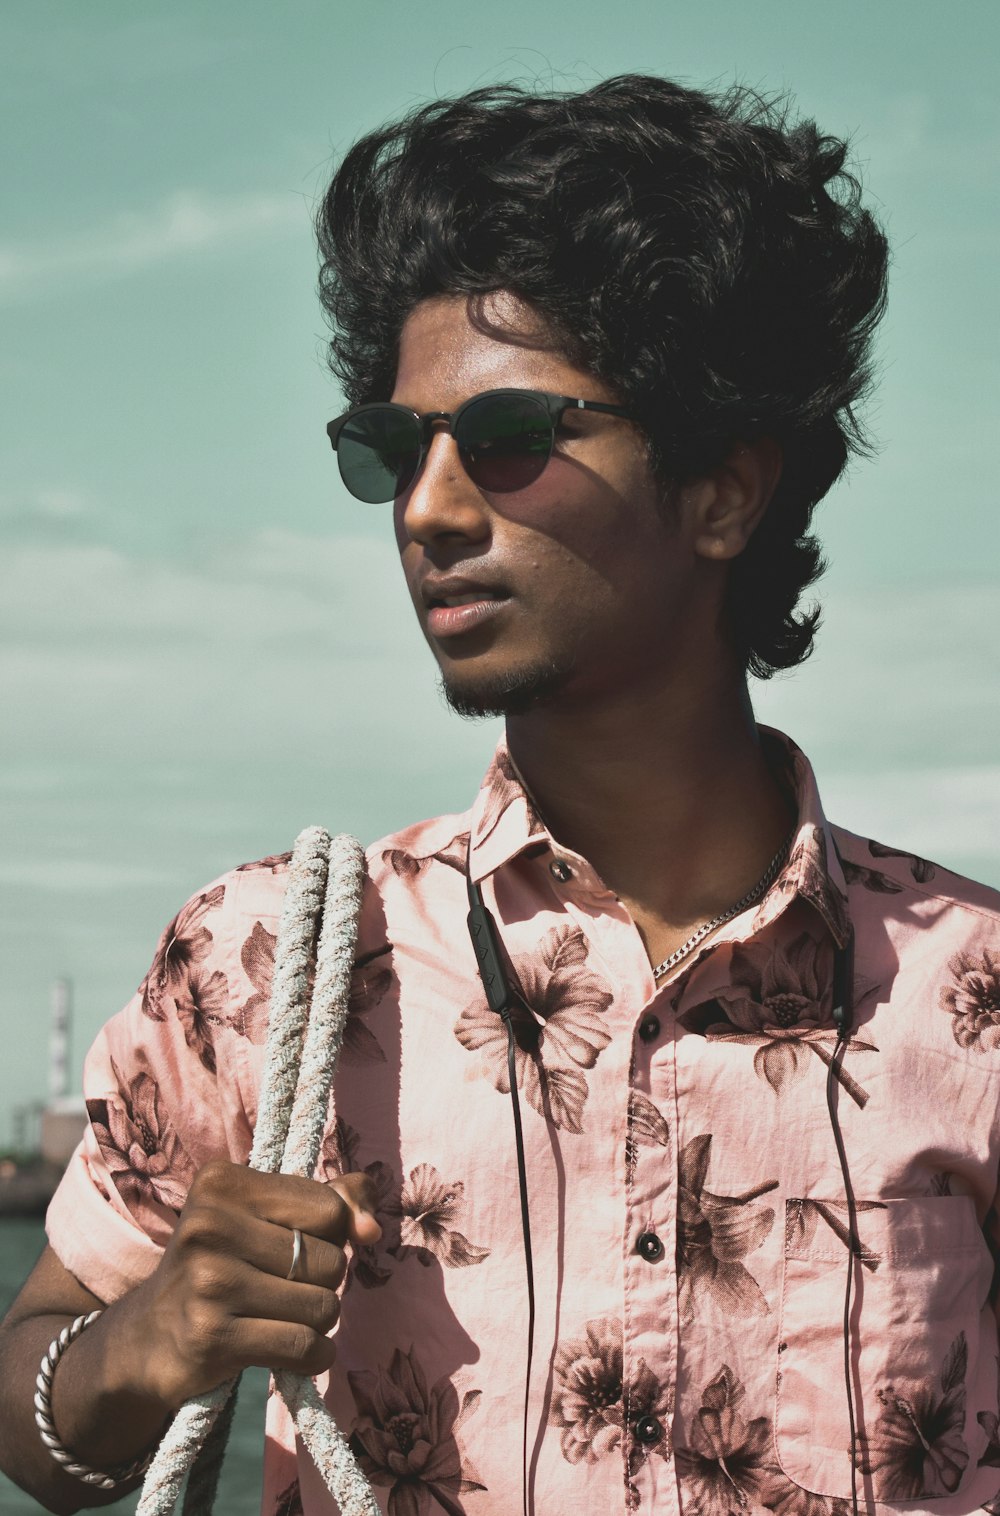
186,222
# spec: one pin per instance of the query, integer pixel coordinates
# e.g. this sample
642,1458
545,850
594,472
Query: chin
512,692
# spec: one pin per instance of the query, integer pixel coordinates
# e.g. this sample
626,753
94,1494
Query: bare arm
217,1303
100,1414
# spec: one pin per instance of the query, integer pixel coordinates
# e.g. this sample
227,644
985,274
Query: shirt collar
504,823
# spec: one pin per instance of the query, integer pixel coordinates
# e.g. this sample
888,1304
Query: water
21,1242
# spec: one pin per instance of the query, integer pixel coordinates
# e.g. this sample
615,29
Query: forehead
454,346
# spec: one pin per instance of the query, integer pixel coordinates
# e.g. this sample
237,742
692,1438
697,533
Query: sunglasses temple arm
600,405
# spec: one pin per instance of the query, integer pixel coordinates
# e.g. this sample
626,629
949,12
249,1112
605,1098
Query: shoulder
893,872
417,850
934,929
199,942
218,917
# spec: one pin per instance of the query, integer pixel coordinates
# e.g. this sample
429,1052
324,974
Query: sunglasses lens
505,441
378,451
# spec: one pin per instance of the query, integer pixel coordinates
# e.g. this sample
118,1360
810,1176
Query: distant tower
62,1010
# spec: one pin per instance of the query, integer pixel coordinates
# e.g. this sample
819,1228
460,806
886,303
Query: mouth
453,609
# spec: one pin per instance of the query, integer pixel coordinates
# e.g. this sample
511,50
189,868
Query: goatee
508,694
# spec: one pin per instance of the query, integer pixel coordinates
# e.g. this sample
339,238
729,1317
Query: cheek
409,562
568,517
399,530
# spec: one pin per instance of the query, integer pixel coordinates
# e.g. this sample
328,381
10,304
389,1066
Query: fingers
264,1298
338,1213
269,1344
220,1299
271,1250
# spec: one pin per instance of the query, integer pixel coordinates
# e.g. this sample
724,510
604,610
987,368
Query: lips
458,605
450,590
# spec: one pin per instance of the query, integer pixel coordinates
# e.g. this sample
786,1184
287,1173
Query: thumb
358,1190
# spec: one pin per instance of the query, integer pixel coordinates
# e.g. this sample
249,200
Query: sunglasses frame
554,406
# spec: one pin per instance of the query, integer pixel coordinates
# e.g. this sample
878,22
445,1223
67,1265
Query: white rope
307,883
300,1063
328,1017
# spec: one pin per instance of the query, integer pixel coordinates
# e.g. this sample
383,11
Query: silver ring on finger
293,1272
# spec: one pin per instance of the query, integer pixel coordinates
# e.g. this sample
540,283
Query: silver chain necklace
763,883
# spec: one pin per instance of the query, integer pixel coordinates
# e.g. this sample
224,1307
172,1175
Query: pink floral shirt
687,1207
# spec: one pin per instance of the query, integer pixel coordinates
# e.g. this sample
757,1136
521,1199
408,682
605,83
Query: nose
442,501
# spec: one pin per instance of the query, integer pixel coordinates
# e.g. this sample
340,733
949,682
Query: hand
219,1300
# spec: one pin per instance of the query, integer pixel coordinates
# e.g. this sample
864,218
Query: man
694,1046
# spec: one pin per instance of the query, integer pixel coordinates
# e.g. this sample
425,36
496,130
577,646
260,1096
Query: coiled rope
324,884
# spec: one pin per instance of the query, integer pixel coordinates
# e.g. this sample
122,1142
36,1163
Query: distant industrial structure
45,1133
64,1116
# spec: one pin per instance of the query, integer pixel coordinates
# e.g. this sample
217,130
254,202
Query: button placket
651,1344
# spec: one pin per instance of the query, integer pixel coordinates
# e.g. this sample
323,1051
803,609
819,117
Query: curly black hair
705,255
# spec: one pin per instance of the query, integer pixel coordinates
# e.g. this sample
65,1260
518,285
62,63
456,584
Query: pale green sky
167,483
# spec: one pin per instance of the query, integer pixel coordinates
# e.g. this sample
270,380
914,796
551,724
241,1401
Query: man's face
571,588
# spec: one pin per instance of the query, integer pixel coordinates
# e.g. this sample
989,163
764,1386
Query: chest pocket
918,1317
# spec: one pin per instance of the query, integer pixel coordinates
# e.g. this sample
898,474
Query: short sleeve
164,1084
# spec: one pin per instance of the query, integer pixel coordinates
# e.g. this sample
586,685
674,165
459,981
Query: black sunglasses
504,439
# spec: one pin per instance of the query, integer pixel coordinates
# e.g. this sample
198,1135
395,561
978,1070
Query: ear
729,501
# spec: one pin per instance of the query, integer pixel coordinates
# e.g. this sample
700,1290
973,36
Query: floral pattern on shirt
973,999
501,787
882,883
801,1217
647,1397
871,879
406,1436
806,873
921,870
274,863
587,1395
591,1403
917,1447
714,1234
369,1264
183,946
726,1466
420,1218
370,982
428,1209
990,1423
140,1145
571,999
257,958
406,864
646,1125
201,1003
779,1000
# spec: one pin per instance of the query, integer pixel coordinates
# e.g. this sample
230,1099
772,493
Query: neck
670,799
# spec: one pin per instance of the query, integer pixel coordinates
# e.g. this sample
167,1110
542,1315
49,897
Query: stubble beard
512,693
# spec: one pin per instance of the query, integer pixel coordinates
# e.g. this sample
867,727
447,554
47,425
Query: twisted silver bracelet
43,1415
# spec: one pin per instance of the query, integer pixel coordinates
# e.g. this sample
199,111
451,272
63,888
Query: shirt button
650,1247
649,1028
648,1429
560,869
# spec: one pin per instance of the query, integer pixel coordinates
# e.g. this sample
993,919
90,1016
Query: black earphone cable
501,996
843,986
